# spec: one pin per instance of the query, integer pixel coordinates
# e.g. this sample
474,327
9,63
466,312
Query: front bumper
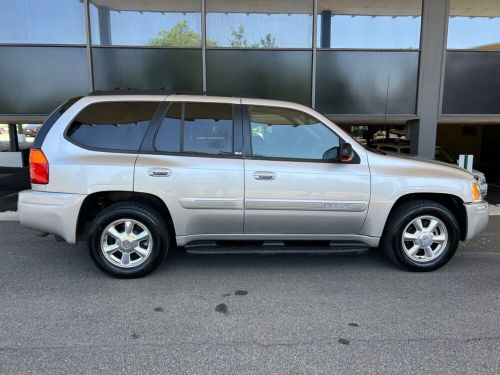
477,218
55,213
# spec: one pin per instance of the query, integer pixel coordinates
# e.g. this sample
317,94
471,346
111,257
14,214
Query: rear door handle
264,175
159,172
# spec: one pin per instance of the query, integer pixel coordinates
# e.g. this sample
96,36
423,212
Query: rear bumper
477,218
55,213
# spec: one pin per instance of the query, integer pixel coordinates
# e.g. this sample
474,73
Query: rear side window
115,126
208,128
51,120
168,138
197,128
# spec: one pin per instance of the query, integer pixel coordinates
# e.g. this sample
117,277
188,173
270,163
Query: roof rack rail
160,91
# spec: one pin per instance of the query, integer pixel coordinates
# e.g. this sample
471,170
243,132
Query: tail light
39,167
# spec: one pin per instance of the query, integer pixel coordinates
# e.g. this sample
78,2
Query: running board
275,247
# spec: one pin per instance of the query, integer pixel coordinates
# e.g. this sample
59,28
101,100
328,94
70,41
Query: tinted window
208,128
112,126
51,120
405,150
168,138
285,133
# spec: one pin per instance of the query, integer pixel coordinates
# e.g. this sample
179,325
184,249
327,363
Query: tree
268,41
180,35
239,40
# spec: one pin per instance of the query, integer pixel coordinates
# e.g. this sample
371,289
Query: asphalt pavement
247,314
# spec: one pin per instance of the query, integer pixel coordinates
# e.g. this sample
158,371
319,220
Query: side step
275,247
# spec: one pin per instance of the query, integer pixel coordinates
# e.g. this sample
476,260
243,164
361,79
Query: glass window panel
35,80
284,75
117,126
168,138
471,83
152,23
208,128
42,22
365,24
474,24
259,24
290,134
147,68
366,82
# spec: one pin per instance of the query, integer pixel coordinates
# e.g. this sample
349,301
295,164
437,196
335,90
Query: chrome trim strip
305,205
212,203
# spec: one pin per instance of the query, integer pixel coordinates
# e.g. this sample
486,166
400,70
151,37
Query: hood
477,174
410,165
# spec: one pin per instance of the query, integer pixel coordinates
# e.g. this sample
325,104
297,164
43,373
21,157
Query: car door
294,181
191,160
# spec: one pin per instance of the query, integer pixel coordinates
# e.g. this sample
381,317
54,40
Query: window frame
149,144
247,139
113,150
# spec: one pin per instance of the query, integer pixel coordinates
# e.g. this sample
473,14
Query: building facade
430,67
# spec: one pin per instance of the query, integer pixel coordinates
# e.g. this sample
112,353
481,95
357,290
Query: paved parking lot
247,314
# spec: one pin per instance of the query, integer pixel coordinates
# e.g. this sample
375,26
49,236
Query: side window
286,133
208,128
405,150
168,138
118,126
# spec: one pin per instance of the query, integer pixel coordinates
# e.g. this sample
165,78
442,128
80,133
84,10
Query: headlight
476,193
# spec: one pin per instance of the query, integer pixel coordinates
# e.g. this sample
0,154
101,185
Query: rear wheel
421,235
128,239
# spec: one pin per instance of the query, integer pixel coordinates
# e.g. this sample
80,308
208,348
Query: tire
408,247
139,235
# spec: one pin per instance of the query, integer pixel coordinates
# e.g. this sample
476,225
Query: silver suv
135,174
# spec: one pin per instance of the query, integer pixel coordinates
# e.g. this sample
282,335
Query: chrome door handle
159,172
264,175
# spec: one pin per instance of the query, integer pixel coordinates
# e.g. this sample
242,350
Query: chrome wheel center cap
426,240
126,244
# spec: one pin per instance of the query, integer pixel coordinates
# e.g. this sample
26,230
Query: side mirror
346,152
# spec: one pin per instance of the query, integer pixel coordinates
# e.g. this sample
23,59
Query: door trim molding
305,205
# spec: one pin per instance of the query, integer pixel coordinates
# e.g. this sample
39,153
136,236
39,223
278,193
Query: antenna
385,109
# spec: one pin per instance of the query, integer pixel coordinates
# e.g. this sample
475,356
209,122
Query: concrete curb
9,216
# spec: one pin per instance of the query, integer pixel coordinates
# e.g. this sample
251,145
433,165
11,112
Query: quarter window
118,126
208,128
286,133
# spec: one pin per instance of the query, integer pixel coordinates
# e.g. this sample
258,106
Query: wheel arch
452,202
96,202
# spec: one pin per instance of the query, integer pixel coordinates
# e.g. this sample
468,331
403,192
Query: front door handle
264,175
159,172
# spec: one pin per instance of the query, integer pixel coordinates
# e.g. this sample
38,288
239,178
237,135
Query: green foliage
239,40
180,35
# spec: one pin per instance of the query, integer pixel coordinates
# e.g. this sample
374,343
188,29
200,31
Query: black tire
147,216
404,214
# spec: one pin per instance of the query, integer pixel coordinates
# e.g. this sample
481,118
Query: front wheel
421,235
128,240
